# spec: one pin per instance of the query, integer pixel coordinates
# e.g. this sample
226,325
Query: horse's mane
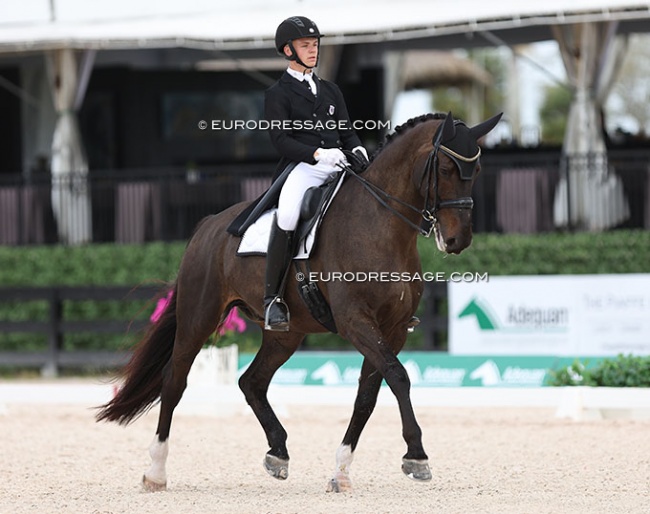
404,127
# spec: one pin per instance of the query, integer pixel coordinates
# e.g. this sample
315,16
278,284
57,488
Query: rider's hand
330,156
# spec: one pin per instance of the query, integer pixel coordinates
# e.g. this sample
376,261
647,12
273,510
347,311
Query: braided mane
405,127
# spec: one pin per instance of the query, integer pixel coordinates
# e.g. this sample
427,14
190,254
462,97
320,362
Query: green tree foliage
630,97
454,98
554,114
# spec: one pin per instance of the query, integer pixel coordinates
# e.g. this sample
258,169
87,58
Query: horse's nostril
451,242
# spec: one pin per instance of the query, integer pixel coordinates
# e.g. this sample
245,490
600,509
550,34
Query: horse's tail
144,372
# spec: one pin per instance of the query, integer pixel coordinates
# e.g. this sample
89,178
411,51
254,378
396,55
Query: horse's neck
358,205
392,172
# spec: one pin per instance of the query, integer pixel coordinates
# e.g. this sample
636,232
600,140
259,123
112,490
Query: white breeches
301,178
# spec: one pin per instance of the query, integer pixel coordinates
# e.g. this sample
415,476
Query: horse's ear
448,128
483,128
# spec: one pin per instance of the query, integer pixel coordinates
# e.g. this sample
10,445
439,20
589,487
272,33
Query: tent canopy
226,25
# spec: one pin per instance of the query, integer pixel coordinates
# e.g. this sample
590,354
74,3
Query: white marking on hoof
417,470
276,467
152,487
155,479
341,481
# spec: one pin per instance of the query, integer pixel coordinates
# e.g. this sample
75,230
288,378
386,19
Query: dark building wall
140,119
364,98
10,124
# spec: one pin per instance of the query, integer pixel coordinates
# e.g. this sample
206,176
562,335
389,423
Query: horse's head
445,177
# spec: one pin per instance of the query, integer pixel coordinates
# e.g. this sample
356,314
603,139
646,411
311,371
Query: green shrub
620,251
101,264
622,371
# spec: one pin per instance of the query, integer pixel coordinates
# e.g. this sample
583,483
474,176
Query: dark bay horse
426,169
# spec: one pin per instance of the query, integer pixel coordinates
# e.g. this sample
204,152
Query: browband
460,157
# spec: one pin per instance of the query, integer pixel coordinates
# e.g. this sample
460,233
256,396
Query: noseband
429,213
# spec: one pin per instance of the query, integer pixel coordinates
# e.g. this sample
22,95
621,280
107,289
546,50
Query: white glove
362,150
330,156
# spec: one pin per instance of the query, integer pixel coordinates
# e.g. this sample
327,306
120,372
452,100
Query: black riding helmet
292,28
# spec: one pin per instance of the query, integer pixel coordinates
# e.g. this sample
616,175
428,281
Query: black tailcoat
320,121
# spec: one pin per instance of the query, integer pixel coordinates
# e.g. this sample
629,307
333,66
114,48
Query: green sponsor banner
425,369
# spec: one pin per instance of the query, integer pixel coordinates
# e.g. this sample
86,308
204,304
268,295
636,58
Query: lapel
319,89
298,87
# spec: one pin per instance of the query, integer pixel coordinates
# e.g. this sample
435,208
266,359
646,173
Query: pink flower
161,306
233,322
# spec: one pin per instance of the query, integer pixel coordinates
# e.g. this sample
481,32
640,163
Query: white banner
564,315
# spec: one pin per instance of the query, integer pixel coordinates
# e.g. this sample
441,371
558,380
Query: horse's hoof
417,470
152,487
276,467
339,484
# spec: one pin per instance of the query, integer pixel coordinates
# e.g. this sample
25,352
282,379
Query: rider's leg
278,256
302,177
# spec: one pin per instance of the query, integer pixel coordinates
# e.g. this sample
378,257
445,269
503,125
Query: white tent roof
219,24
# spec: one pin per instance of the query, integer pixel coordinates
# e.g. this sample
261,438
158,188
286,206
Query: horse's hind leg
195,324
174,384
369,384
383,357
254,383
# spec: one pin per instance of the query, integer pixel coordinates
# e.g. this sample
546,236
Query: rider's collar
299,75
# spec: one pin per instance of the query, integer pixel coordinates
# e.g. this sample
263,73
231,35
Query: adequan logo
489,375
485,319
518,318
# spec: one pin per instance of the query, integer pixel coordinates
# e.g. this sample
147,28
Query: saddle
315,202
266,201
312,203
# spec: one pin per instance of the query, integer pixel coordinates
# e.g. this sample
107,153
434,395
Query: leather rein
428,213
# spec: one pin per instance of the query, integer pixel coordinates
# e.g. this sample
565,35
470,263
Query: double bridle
428,212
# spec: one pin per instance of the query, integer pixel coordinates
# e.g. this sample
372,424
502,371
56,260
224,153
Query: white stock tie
310,81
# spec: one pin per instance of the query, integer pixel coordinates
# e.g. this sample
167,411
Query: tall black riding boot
278,258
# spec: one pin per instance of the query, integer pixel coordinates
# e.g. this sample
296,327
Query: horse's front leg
254,383
369,384
376,350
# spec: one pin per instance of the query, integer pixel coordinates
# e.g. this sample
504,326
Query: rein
429,214
377,194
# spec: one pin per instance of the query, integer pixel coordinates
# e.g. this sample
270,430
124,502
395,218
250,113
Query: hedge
621,371
100,264
621,251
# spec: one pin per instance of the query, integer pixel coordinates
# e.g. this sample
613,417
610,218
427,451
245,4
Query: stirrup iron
278,327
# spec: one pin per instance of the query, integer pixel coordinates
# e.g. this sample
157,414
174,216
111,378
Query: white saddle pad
255,240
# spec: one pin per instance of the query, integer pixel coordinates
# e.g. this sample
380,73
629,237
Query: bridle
429,213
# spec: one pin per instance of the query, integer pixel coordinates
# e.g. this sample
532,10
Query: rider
313,128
